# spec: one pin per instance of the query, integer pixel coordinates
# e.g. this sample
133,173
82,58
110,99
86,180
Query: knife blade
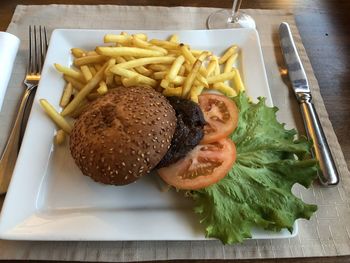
328,173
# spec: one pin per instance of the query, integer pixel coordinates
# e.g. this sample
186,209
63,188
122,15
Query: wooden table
324,26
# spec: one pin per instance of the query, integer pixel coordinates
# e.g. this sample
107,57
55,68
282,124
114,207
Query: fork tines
37,48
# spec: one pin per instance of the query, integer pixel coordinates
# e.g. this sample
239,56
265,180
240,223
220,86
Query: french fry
211,66
159,67
202,80
174,52
195,92
111,63
81,107
102,89
190,78
121,39
172,92
85,91
159,75
175,68
70,72
237,80
60,137
145,61
127,51
76,84
91,53
187,54
140,69
179,80
196,53
92,70
217,68
144,44
78,52
229,52
66,95
86,72
129,74
97,67
165,44
229,62
89,60
164,83
222,77
55,116
225,89
182,71
129,82
141,36
174,38
120,59
199,78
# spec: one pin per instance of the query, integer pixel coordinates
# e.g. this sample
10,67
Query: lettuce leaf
257,191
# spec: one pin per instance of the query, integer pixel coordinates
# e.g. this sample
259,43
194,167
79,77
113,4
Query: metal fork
37,51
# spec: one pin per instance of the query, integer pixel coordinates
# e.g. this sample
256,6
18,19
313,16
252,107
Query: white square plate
50,199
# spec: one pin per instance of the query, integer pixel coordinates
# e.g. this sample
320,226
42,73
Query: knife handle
328,173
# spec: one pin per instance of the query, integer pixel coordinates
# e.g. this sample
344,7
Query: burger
125,134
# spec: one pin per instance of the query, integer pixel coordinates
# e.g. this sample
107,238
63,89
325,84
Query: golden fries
222,77
85,91
60,137
229,63
76,84
229,52
225,89
70,72
145,61
174,38
175,68
130,74
127,51
55,116
190,78
173,92
78,52
137,42
171,68
238,81
163,43
102,89
86,72
67,93
89,60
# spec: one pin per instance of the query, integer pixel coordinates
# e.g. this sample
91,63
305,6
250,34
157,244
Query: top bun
123,135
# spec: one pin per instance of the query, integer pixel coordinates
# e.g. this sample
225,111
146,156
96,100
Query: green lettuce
257,191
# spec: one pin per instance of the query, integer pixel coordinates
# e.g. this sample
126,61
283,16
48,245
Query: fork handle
9,156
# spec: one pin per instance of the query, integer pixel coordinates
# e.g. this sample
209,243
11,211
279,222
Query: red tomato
221,115
205,165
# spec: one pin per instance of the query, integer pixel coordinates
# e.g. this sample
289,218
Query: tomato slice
205,165
221,115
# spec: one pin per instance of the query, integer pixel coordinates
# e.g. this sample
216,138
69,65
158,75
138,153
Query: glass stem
235,7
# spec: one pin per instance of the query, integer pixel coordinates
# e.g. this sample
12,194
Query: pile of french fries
171,67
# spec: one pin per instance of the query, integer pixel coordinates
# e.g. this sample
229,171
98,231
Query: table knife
328,173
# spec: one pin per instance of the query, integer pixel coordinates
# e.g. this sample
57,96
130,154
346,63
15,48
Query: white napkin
9,45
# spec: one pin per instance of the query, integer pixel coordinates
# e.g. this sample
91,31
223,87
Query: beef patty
189,130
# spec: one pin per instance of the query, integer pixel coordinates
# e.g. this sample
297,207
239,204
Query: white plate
49,198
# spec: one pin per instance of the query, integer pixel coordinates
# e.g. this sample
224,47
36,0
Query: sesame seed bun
123,135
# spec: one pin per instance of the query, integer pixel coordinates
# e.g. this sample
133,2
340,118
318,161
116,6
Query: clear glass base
223,19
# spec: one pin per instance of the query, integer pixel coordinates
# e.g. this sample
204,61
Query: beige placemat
326,234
